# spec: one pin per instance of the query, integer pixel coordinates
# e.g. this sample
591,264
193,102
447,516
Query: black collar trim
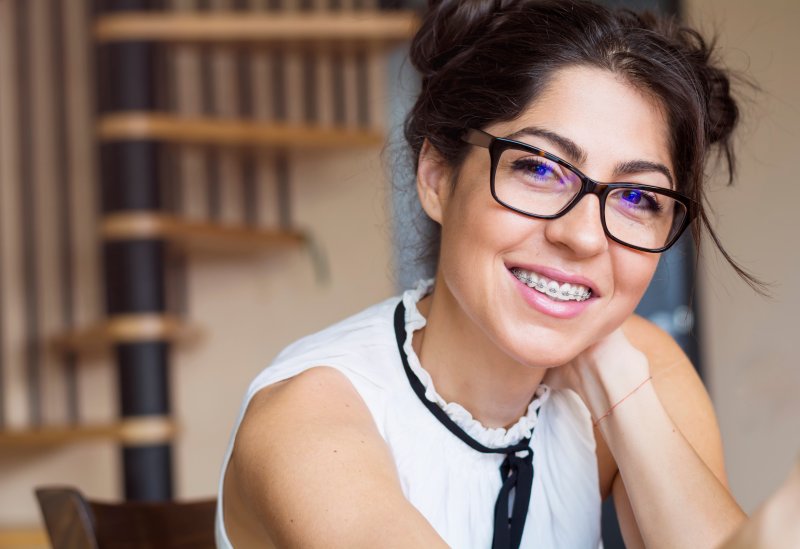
516,470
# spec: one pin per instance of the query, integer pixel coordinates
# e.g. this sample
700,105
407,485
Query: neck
467,367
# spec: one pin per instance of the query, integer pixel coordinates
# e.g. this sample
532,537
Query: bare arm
667,446
776,524
698,448
309,469
670,490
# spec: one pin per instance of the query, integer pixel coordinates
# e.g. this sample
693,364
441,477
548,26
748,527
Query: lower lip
543,304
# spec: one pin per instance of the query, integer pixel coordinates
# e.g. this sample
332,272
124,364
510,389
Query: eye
525,172
536,167
639,201
632,196
541,170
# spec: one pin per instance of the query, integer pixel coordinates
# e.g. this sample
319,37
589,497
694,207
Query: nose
580,230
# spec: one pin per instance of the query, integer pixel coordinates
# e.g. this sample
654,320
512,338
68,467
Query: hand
776,525
603,374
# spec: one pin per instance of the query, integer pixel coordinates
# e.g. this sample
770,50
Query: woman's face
613,126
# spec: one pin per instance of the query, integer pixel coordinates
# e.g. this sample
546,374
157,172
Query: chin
550,358
545,350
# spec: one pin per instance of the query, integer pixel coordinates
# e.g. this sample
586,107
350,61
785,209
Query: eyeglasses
538,184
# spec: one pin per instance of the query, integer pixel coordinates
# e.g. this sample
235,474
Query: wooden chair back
73,522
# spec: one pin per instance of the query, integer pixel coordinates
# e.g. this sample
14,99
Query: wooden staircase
368,33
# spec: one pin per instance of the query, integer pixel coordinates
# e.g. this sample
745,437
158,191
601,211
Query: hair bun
723,112
449,28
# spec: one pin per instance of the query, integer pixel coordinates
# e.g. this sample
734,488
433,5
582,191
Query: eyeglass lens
539,186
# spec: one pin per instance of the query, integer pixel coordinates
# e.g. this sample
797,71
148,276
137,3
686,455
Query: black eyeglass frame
497,145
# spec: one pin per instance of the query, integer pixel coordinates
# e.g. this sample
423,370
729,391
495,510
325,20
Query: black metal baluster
134,269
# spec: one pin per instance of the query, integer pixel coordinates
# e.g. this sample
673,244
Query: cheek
476,233
466,224
632,274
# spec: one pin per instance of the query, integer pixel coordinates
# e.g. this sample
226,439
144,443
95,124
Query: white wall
751,342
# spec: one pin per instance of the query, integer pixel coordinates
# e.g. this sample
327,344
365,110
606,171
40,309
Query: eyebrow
577,155
640,166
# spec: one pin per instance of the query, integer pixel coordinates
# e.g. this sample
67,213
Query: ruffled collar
490,437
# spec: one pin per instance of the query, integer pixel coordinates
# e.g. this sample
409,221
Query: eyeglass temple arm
479,138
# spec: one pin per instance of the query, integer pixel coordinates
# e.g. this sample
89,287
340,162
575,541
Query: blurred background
187,186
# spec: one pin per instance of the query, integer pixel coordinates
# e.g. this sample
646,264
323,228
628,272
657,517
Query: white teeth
559,292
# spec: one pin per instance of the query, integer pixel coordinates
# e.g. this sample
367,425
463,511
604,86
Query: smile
552,288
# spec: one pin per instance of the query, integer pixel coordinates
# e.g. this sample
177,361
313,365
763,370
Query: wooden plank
56,436
235,133
197,235
129,328
144,430
23,538
376,28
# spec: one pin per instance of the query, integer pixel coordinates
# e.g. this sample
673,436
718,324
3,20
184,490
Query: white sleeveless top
454,486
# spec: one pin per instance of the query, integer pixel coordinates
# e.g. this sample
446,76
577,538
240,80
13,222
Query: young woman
559,147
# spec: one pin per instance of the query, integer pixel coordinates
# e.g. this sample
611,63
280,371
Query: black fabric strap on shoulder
516,471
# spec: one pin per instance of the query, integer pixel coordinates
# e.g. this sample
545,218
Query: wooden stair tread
130,431
23,537
128,328
197,235
367,26
138,125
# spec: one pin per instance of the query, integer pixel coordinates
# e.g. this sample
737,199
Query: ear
433,182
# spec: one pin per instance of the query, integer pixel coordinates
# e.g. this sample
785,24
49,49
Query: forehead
610,119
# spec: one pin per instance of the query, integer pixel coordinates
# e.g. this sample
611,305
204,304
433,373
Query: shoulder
292,434
318,393
661,349
317,409
305,468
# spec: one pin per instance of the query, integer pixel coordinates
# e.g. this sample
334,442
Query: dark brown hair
484,61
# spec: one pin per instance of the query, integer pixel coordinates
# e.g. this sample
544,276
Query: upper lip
559,275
